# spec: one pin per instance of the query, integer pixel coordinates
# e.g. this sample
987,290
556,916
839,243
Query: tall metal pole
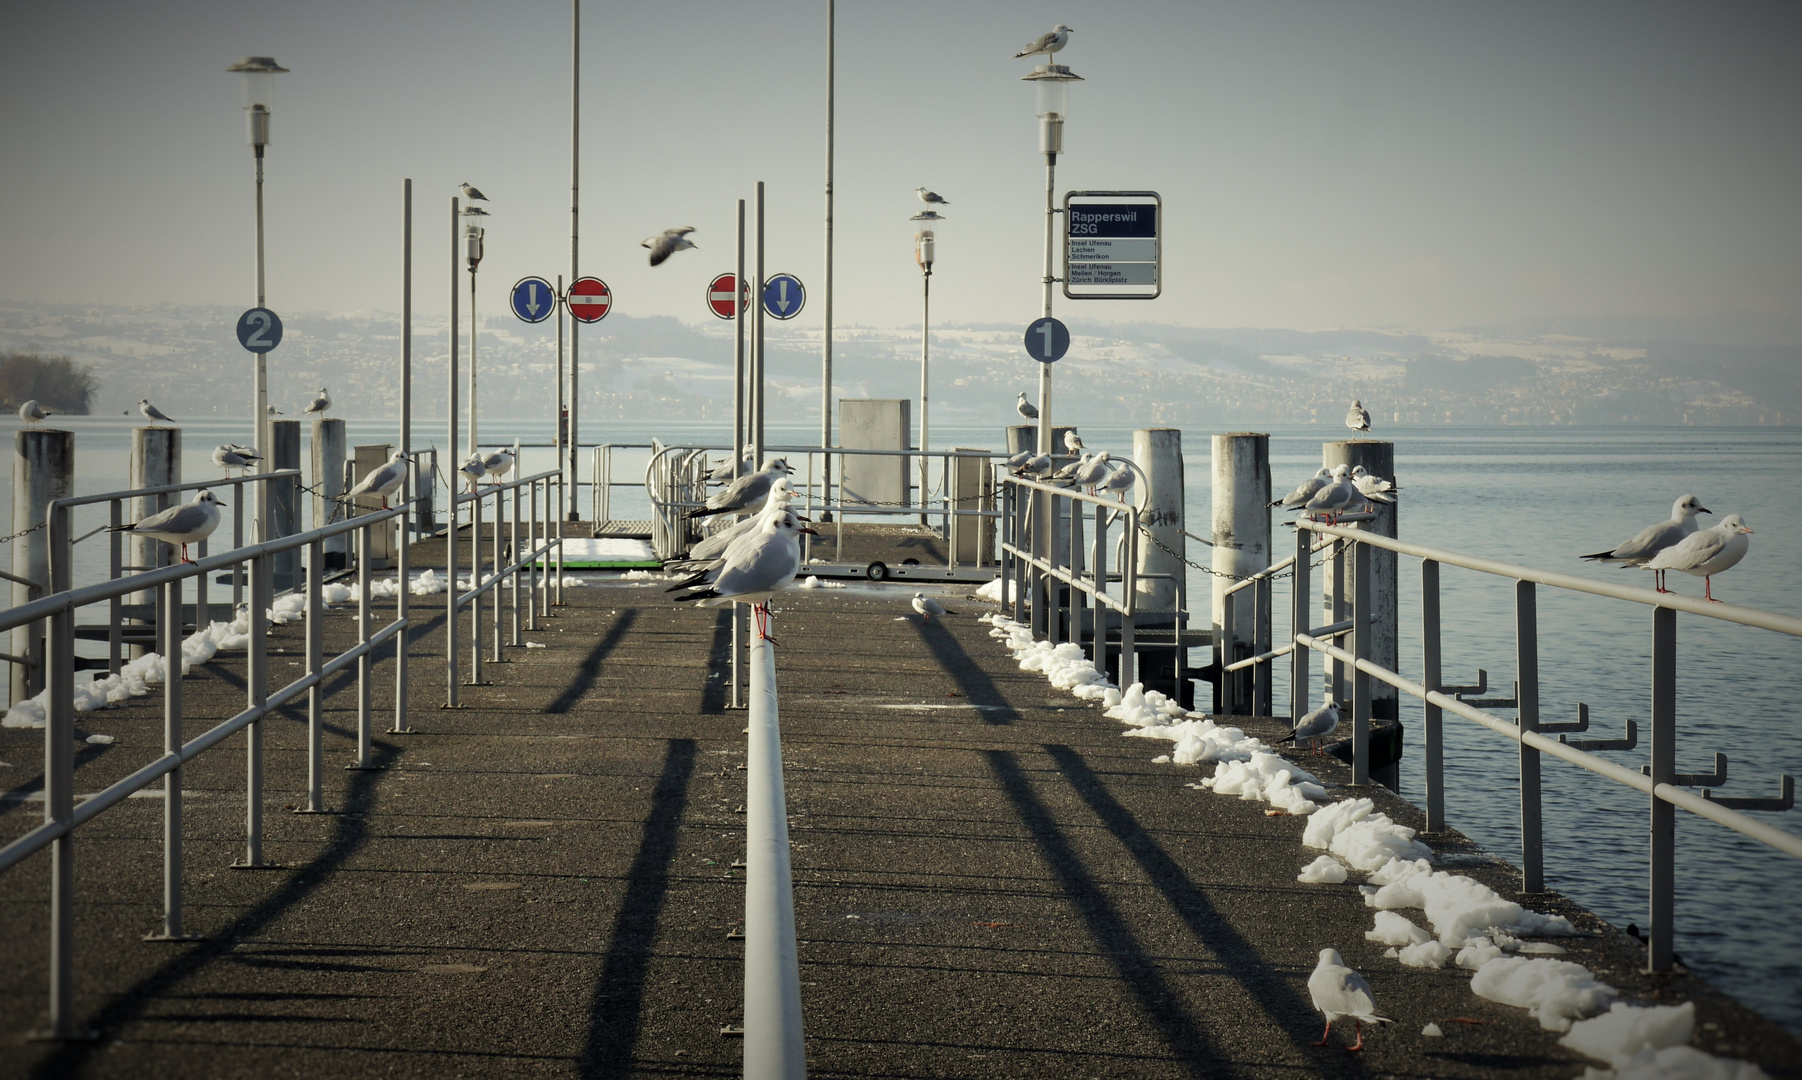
474,446
757,343
1042,507
451,474
260,405
925,409
738,356
403,558
575,172
562,406
826,334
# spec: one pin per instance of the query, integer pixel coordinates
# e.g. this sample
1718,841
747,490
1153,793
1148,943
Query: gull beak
222,502
811,532
1747,530
1703,510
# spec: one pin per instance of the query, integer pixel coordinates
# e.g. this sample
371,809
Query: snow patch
1627,1029
1556,992
1324,869
1357,832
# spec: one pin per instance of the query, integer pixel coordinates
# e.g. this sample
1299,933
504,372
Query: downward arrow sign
532,304
782,300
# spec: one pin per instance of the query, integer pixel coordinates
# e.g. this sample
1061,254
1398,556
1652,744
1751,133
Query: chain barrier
23,532
1210,571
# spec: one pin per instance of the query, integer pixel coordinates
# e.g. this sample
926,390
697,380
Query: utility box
972,488
382,538
875,424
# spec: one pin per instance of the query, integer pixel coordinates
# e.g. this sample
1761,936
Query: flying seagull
188,523
1047,43
1653,539
1707,553
928,607
1339,991
471,192
931,198
383,480
1027,408
31,412
1356,418
320,403
670,242
151,412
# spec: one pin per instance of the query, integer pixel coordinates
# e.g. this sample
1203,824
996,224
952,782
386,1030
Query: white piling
43,470
327,481
155,462
1159,454
1378,458
1241,538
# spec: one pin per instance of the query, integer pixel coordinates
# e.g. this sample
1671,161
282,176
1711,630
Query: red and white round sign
719,296
589,300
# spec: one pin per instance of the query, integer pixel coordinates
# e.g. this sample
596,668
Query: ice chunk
1392,929
1355,831
1676,1063
1324,869
1627,1029
1556,992
1432,1031
1428,954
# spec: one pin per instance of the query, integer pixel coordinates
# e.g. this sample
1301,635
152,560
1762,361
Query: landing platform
989,880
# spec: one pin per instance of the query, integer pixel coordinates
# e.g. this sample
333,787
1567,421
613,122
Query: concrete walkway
990,881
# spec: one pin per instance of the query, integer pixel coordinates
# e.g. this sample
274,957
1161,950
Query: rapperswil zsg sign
1112,248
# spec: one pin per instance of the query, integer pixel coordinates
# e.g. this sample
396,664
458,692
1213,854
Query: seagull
1339,991
747,493
152,413
670,242
273,411
931,198
928,607
723,471
1653,539
1027,408
1048,43
758,567
1073,443
1335,497
383,480
1315,726
1305,490
1356,418
31,412
708,552
1068,471
227,457
1119,483
188,523
1706,553
1094,472
497,463
1018,459
1371,486
1038,467
320,403
474,469
470,192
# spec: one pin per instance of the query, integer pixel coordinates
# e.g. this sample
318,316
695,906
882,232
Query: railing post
559,545
169,629
1099,653
1022,570
533,577
1129,593
515,557
1300,607
1224,684
257,691
315,660
1663,906
402,607
1263,675
1430,678
366,662
1361,626
115,607
475,584
1526,648
59,788
495,555
1338,600
452,676
774,1044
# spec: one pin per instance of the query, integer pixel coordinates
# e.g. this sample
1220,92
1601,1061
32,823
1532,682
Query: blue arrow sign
783,296
1047,340
259,330
533,299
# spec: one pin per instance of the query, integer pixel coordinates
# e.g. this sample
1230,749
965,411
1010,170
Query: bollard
284,502
327,480
1159,454
1379,459
1241,548
155,462
43,470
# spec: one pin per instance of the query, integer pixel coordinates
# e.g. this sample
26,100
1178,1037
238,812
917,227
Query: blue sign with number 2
259,330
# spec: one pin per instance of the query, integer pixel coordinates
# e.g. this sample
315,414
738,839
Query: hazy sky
1413,165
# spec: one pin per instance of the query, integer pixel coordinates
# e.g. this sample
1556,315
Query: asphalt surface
989,879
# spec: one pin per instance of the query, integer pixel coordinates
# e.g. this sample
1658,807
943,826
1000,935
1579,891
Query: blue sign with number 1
259,330
1047,340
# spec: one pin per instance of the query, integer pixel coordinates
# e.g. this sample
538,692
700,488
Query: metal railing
1027,572
774,1044
62,815
509,557
1660,780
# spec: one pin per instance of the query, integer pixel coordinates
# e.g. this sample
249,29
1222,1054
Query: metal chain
23,532
1210,571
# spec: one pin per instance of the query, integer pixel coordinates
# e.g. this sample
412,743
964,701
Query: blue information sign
259,330
533,299
1047,340
783,296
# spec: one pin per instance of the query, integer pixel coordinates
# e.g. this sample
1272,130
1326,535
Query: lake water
1534,496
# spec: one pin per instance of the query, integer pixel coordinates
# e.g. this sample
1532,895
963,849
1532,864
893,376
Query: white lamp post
475,232
259,74
925,251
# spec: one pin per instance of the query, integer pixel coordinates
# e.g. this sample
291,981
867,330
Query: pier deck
989,880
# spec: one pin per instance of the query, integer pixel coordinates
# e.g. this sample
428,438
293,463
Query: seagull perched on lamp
1046,44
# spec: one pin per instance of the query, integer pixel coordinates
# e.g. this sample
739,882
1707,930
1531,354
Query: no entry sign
589,300
719,296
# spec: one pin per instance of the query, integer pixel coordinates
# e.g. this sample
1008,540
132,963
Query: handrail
166,489
774,1042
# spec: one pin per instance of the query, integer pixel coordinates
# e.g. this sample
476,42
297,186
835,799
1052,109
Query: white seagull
668,243
152,413
1356,418
723,471
470,192
1653,539
928,607
188,523
1027,408
708,552
1339,991
1305,490
931,198
1119,483
747,493
320,403
1047,43
1314,726
757,567
383,480
1073,443
1069,469
31,412
1706,553
1037,467
227,457
1374,488
497,463
1018,459
1094,472
1335,497
474,469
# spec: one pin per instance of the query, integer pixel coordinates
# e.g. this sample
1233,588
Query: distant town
650,368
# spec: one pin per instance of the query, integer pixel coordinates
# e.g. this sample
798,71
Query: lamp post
1052,83
925,249
259,74
475,231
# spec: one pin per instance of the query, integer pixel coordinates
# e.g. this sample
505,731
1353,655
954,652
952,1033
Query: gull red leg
1708,589
1325,1035
1359,1045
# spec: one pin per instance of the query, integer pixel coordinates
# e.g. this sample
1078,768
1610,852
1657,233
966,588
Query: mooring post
284,502
155,462
1159,572
327,480
1378,458
1241,548
43,471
